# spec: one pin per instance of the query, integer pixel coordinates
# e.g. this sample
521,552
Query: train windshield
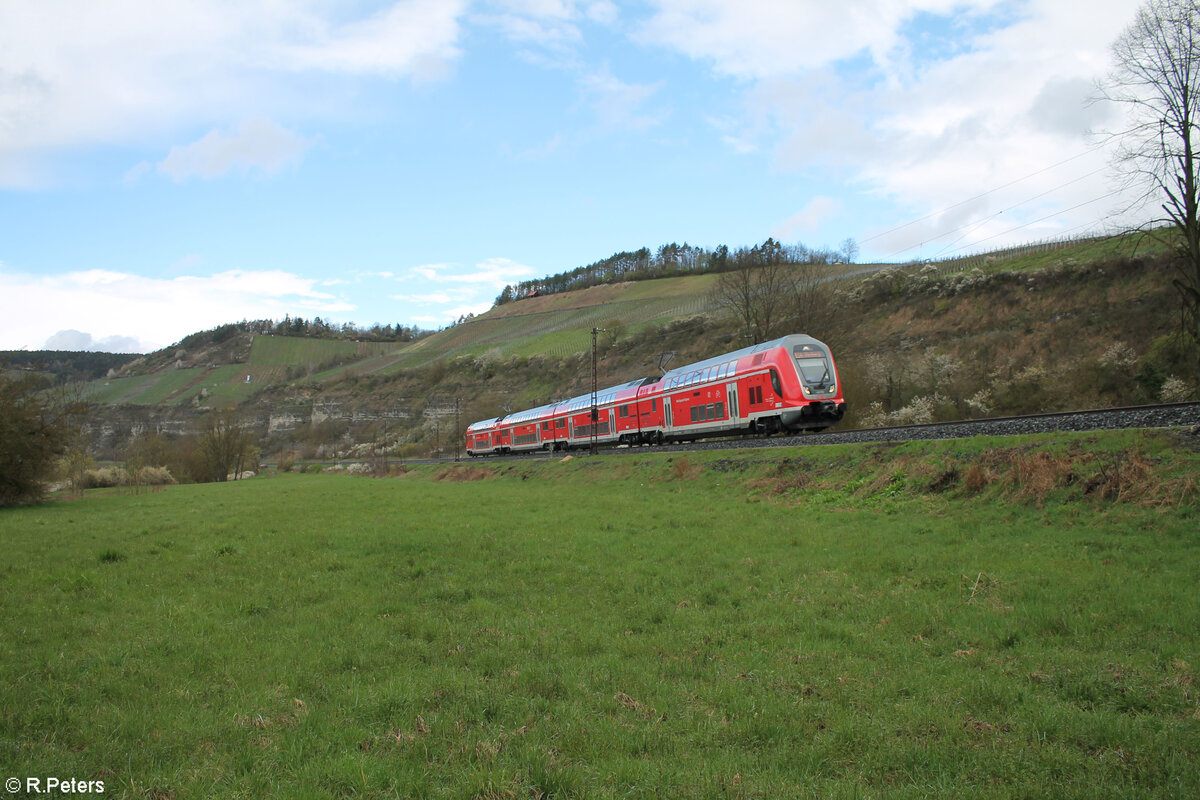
813,365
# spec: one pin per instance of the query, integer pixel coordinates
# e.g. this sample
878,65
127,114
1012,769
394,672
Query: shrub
105,478
112,477
1175,390
36,428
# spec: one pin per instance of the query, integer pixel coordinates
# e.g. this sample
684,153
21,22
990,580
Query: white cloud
621,105
76,341
809,219
255,145
491,273
153,311
961,97
413,38
441,293
430,272
757,39
603,11
552,24
76,73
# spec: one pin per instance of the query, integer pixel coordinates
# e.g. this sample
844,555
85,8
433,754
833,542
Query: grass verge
873,621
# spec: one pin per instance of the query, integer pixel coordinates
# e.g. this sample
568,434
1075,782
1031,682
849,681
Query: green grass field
142,389
286,350
992,619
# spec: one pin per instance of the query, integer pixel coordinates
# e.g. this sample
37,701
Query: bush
1175,390
36,427
112,477
105,478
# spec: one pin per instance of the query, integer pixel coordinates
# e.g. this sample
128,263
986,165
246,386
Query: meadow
980,618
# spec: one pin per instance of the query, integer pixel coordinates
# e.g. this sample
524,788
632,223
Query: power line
1006,210
1048,216
981,195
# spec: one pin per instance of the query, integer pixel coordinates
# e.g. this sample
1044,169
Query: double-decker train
789,384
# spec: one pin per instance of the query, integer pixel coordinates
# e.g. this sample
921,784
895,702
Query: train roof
783,341
603,396
483,423
527,416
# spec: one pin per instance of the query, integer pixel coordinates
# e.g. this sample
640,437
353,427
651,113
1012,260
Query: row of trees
323,329
676,259
316,328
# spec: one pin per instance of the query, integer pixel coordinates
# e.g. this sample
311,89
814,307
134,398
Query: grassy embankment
974,618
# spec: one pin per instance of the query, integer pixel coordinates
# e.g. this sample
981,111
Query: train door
667,413
731,394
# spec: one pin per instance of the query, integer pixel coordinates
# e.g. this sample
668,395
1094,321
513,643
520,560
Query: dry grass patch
1035,475
459,473
683,469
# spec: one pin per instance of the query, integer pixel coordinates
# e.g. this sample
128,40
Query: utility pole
457,437
595,410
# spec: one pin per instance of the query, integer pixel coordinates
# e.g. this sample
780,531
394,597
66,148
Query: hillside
1040,328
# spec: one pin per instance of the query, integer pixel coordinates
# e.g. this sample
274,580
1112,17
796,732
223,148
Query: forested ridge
671,260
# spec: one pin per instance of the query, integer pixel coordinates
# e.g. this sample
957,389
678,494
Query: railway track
1163,415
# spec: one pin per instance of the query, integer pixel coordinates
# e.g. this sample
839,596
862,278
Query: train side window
654,404
775,384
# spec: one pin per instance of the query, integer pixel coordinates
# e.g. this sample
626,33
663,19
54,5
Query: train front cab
818,390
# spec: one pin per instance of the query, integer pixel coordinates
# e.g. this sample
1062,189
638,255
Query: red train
786,384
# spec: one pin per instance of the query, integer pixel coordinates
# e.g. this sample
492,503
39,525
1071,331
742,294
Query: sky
167,168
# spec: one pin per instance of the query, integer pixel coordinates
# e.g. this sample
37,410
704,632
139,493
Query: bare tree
849,251
758,296
811,308
1157,78
226,447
